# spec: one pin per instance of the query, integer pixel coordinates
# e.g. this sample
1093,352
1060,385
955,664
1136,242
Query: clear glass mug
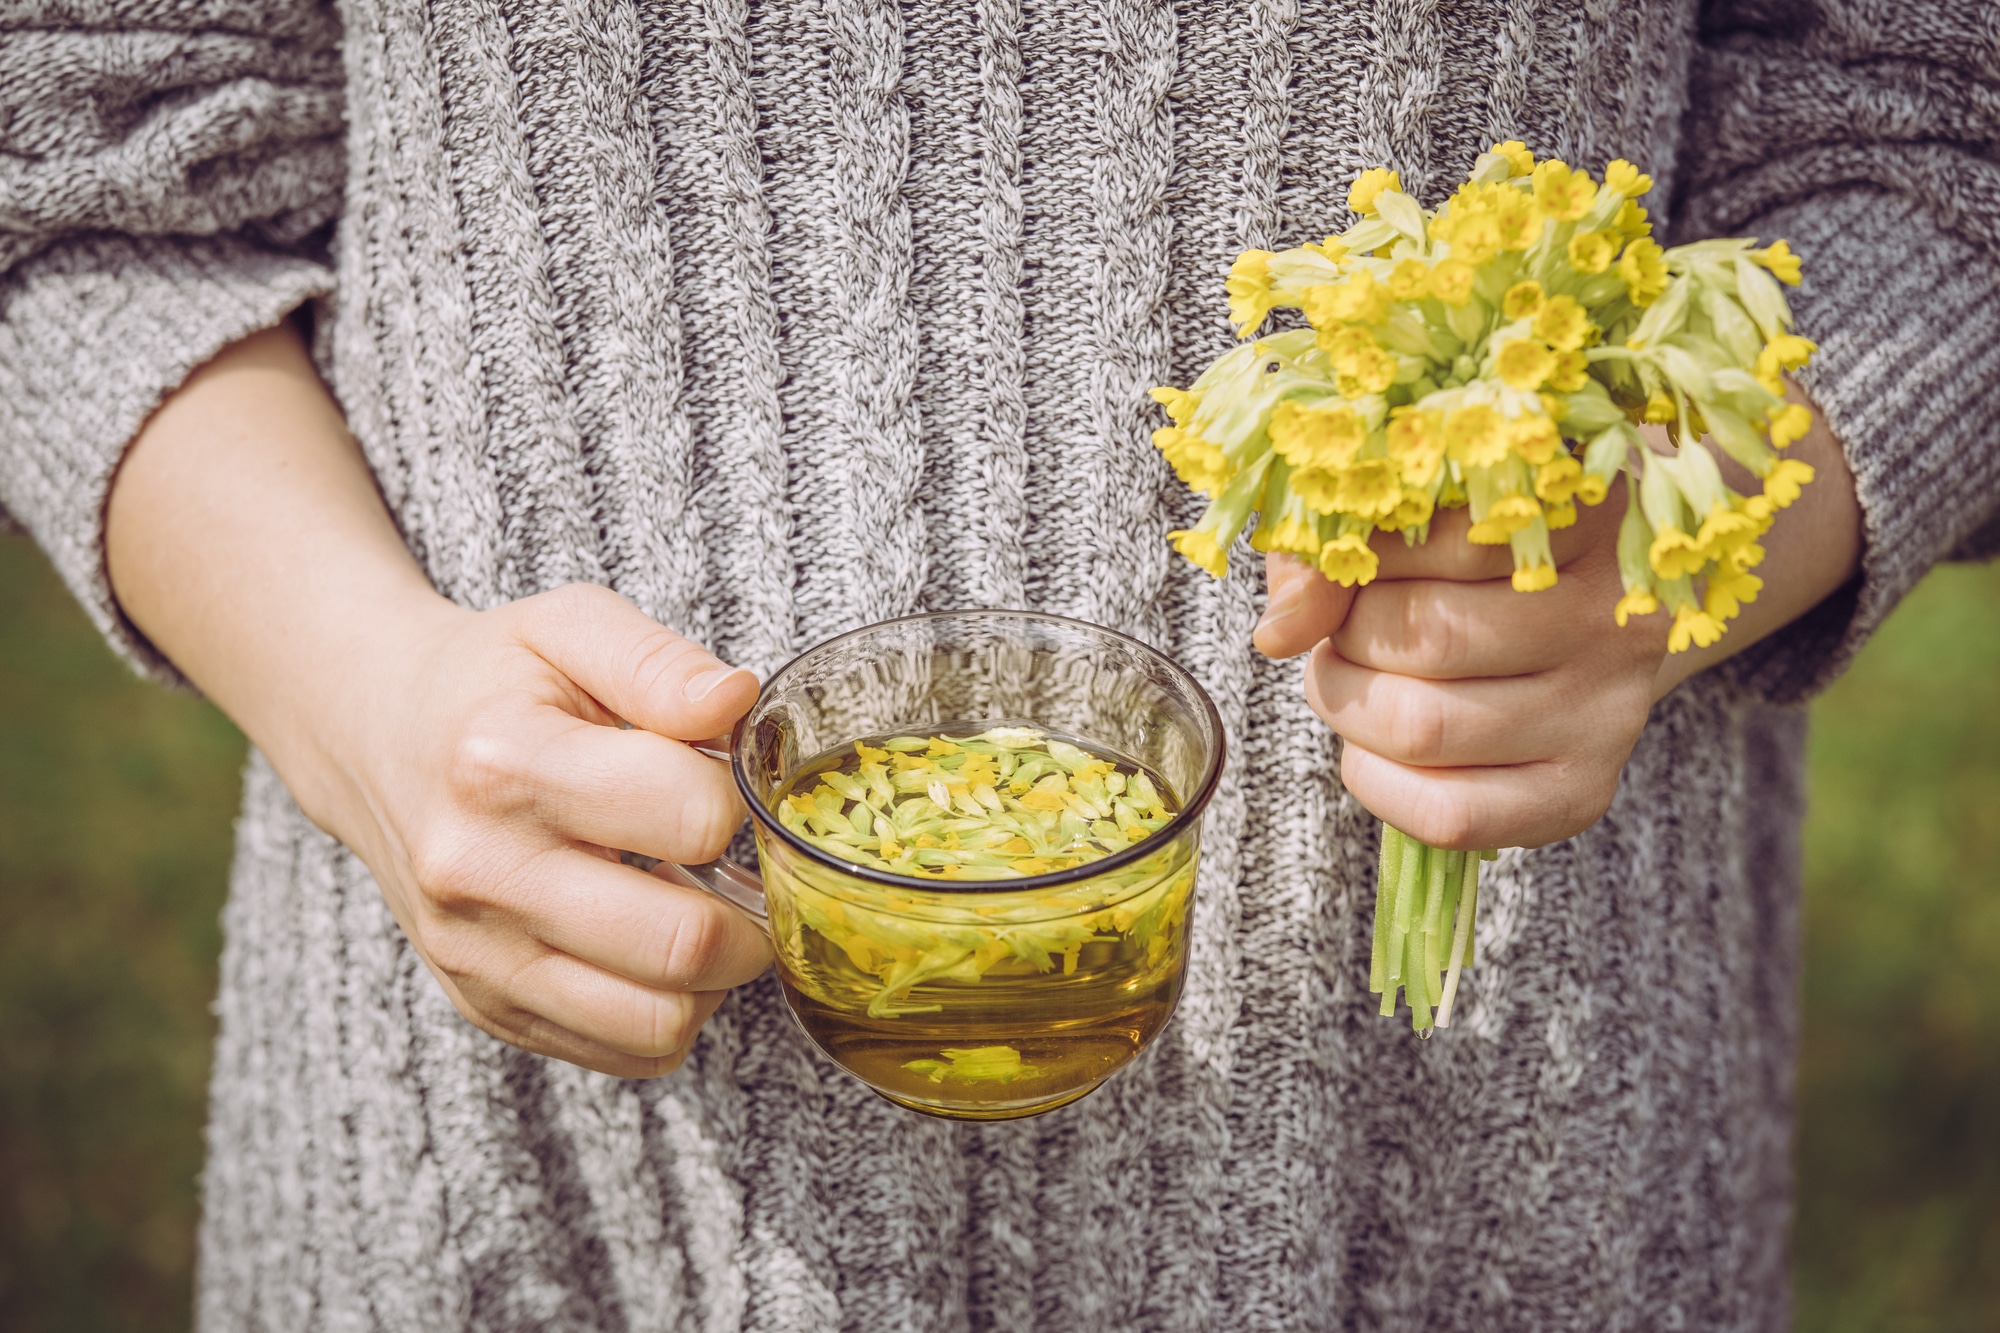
977,999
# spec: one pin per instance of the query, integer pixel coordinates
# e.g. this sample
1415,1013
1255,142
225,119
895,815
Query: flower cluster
1501,352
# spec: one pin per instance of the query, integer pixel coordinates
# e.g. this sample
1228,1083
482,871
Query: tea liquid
967,999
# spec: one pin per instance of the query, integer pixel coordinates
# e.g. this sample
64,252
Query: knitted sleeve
166,170
1868,135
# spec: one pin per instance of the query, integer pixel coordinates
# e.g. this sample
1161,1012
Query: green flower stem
1461,944
1426,926
1409,883
1435,924
1388,872
1414,986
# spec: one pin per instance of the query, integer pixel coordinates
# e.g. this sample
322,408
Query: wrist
350,695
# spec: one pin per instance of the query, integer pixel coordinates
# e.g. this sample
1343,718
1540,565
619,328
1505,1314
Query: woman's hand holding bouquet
1497,370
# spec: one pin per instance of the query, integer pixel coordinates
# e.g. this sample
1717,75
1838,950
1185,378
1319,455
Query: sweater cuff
94,333
1907,318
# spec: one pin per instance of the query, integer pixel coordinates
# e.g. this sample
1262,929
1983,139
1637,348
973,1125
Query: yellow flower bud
1644,271
1692,625
1507,517
1636,603
1348,561
1563,325
1534,437
1412,511
1778,257
1534,578
1474,437
1324,437
1557,479
1781,483
1522,300
1789,424
1370,489
1179,403
1358,300
1249,288
1592,251
1519,159
1368,186
1674,554
1624,178
1200,547
1563,193
1525,363
1410,280
1451,281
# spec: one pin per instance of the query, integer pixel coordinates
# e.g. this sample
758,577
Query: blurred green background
115,808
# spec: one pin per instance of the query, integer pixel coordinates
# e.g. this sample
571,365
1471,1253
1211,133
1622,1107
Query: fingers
1528,805
645,1053
660,934
1436,724
1442,630
567,994
1302,607
632,790
489,901
636,667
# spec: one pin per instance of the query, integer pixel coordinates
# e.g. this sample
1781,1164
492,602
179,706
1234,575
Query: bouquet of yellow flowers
1497,353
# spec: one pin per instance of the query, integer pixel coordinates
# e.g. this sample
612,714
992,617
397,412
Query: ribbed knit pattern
781,318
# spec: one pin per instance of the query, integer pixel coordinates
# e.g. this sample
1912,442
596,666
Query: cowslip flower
1498,353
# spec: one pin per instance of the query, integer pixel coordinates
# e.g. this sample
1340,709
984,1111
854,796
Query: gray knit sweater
783,316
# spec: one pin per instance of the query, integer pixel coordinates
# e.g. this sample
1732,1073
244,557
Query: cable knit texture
782,317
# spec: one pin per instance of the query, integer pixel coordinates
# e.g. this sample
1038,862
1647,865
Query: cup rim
1184,818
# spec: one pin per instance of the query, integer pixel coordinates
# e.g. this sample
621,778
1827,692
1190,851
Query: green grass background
115,808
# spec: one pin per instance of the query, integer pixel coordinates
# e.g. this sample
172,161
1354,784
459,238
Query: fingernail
1283,602
702,684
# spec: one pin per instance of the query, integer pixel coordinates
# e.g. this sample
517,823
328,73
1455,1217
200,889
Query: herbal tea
974,1000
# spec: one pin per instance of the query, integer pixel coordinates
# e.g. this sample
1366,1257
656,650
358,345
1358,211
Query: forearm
246,539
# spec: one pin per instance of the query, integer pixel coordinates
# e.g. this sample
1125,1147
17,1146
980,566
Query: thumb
1302,609
633,665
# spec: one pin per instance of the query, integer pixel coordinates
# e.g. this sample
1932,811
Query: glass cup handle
722,877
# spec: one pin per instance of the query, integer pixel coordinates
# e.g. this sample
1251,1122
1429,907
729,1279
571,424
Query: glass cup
978,999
